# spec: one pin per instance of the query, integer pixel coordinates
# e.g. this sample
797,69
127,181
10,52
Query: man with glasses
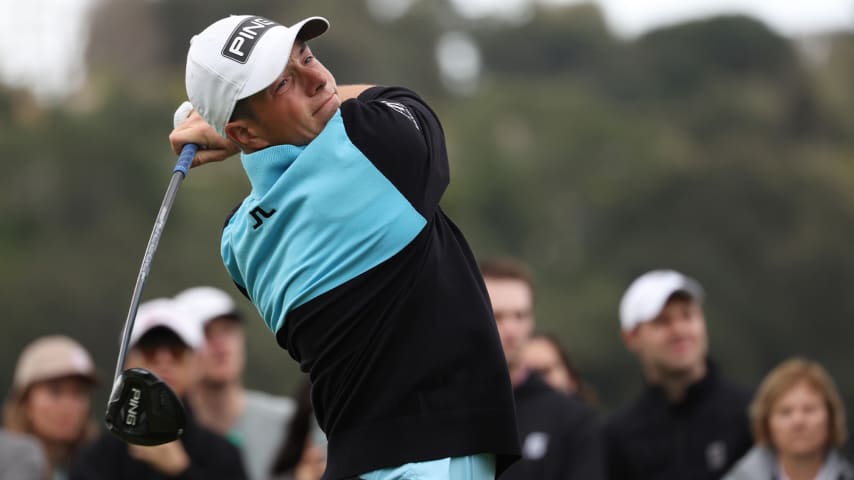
166,344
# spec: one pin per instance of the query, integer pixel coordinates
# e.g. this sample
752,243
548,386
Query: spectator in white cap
165,343
688,422
50,399
254,421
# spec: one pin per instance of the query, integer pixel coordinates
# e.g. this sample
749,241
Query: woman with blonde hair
798,423
50,399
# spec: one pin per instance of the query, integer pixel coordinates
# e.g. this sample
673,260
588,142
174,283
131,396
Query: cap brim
276,51
93,378
311,27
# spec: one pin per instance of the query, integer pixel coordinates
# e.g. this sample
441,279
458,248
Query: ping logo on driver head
243,39
133,406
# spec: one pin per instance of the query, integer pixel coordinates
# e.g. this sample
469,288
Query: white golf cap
164,312
207,303
238,56
648,294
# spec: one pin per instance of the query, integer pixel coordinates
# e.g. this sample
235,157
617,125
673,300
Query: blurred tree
683,57
573,39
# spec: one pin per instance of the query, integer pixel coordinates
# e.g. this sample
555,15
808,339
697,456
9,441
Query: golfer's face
295,108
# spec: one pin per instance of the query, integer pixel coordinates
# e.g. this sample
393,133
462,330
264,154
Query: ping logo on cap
243,39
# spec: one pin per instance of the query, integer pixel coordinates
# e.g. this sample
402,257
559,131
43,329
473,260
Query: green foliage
684,57
554,41
713,147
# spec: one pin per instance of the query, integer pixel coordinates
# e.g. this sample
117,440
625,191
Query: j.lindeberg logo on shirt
257,213
243,39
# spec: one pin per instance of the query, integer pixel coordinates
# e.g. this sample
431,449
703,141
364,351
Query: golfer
345,252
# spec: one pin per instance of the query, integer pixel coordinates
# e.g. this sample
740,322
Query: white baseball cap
207,303
238,56
648,294
164,312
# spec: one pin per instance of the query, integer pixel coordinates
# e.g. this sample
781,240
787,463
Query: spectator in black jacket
165,343
689,423
561,436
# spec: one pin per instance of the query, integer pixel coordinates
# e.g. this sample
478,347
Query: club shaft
179,172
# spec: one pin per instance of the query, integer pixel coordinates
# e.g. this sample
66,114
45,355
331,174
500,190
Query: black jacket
212,457
699,438
561,436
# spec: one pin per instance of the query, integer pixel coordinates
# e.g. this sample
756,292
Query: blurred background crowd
720,147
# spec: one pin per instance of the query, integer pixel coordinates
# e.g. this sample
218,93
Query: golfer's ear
245,134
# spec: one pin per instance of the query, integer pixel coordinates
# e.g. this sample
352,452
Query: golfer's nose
314,80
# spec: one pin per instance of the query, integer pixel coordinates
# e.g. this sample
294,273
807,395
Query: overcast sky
42,41
631,17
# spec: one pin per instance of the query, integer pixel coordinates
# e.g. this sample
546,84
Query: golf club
142,409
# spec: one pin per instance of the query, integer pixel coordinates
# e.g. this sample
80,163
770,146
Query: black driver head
143,410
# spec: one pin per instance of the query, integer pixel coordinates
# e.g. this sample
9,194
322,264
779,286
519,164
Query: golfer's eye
282,83
309,59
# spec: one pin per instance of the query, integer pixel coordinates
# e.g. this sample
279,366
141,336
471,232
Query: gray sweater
21,458
760,463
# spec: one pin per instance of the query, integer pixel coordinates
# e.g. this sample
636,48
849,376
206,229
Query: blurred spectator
689,423
21,457
544,355
164,343
253,421
303,455
561,437
798,422
50,399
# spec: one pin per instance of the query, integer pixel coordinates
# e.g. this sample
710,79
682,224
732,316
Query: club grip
186,158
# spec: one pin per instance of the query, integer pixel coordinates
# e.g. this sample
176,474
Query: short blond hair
779,381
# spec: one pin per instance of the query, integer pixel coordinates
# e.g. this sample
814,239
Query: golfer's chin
326,110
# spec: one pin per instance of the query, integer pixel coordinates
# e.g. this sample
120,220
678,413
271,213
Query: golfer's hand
170,458
212,146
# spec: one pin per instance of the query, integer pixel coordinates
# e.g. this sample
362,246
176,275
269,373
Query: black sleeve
107,459
212,458
99,461
402,137
583,446
615,462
